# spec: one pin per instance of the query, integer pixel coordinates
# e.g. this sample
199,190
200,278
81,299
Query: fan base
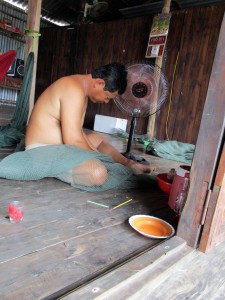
136,158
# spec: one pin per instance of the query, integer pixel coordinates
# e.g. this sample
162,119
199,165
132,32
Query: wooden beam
158,62
207,151
213,232
33,24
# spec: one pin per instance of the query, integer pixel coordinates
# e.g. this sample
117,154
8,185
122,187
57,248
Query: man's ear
99,83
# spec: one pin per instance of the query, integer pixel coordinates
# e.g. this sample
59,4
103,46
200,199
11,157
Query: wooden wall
100,44
91,46
193,34
55,57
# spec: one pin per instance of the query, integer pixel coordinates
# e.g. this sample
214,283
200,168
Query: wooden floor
170,271
64,241
67,248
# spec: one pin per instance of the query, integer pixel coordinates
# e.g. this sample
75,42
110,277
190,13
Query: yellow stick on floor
122,204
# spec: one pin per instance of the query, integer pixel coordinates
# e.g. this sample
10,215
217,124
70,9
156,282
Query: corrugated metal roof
72,11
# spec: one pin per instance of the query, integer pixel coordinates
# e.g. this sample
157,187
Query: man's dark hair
114,75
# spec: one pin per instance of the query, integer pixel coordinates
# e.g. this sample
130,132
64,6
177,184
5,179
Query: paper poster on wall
158,35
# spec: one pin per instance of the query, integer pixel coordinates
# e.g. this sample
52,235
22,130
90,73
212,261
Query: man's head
114,76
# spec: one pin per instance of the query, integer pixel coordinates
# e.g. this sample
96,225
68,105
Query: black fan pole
128,154
131,134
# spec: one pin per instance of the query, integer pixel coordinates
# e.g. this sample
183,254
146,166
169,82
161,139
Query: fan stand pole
128,154
131,134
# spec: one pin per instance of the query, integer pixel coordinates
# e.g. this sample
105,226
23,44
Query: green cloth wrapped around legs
54,160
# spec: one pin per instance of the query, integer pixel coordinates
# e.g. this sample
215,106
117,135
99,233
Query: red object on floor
6,59
163,183
176,186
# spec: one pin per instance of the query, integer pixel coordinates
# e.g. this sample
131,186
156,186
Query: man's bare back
45,123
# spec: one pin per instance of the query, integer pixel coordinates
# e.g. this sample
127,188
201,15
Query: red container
177,183
164,183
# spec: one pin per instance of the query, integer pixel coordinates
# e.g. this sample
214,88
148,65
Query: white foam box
109,124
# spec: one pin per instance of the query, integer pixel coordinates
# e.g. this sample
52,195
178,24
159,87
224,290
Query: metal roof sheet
72,11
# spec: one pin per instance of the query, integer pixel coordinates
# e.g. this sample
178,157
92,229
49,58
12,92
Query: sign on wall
158,35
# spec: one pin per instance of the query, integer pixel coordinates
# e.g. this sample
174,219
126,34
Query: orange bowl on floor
151,226
164,183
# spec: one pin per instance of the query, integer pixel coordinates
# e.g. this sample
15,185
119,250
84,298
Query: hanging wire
171,93
174,72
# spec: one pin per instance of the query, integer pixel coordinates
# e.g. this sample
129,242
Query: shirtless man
58,116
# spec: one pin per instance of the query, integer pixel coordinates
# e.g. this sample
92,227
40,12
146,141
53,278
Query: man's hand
139,168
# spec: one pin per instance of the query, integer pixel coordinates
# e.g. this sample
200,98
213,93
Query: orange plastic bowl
151,227
164,183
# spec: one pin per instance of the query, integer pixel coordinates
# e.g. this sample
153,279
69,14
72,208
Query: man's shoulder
69,89
69,78
71,82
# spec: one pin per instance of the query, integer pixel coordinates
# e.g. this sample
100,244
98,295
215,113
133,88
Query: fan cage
155,86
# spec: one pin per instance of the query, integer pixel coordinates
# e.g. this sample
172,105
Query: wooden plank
200,277
157,259
213,231
64,241
54,239
210,137
140,284
11,83
196,48
49,218
64,266
221,168
196,275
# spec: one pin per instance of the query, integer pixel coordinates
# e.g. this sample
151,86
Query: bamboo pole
158,62
33,24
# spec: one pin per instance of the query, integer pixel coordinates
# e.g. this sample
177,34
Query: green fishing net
57,160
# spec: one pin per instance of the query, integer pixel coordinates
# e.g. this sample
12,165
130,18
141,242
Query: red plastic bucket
177,183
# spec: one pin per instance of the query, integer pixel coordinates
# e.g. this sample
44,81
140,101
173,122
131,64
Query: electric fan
95,8
147,89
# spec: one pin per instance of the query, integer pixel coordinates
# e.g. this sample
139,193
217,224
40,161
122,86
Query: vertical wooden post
33,23
158,62
206,163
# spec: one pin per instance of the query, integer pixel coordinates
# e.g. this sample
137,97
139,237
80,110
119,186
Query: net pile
172,150
55,160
